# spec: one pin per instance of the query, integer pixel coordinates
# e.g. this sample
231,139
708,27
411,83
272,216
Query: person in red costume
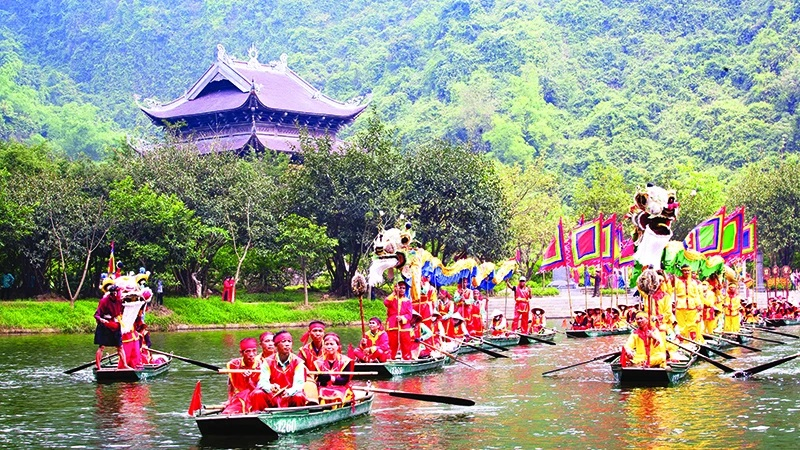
227,289
282,377
374,345
398,321
522,304
108,316
424,305
242,385
312,343
267,346
333,388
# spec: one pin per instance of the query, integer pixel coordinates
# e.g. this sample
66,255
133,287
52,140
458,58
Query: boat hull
398,368
271,424
651,376
590,333
111,374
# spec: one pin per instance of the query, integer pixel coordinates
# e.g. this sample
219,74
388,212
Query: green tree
304,245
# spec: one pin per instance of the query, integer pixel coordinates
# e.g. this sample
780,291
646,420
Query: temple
238,105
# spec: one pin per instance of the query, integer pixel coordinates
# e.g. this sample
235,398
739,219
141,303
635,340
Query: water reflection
123,413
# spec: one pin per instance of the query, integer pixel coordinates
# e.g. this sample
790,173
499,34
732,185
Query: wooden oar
752,349
717,364
478,348
416,396
310,372
612,357
607,355
767,330
754,370
534,338
499,347
756,338
707,348
449,355
89,364
184,359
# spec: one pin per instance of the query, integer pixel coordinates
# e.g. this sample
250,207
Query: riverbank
28,316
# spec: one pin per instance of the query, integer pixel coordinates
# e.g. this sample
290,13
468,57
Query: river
40,407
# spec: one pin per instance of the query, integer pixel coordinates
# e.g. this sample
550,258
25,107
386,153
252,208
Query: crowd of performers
270,375
439,320
679,308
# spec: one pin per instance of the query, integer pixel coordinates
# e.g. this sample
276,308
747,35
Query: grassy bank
44,316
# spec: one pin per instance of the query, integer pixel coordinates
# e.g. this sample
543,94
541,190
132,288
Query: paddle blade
81,367
434,398
196,403
754,370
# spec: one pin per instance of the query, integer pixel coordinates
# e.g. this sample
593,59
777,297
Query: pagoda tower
238,105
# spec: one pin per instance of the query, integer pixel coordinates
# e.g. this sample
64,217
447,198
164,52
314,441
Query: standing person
645,346
596,279
282,377
398,321
7,284
109,318
333,387
242,385
159,292
522,304
312,343
374,346
732,306
688,305
227,289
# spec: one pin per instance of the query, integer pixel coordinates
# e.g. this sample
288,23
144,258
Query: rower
421,333
580,321
282,377
333,387
109,317
645,346
538,321
499,325
267,346
374,346
312,343
242,385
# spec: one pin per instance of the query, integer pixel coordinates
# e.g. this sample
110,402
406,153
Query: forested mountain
630,83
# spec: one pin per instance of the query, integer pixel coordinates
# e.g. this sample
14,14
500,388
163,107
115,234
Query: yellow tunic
687,304
732,308
637,346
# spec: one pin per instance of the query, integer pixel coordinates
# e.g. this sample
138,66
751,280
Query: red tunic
240,386
308,353
334,388
283,376
374,347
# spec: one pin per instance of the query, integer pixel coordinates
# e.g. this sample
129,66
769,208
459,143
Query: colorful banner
749,243
626,250
554,254
610,244
112,265
706,237
732,234
586,242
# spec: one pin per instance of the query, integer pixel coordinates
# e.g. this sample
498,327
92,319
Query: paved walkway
558,307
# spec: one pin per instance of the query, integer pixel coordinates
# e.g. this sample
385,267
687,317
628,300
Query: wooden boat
783,322
109,373
652,376
398,367
596,332
502,341
546,335
270,424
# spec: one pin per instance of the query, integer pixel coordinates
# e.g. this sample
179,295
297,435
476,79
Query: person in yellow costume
659,305
732,307
710,318
645,346
688,305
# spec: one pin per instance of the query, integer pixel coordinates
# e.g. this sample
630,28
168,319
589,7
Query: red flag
197,400
112,266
